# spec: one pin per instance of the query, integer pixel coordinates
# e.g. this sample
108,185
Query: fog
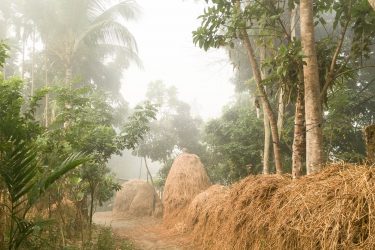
164,36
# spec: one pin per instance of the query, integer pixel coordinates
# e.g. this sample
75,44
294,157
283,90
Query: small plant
108,241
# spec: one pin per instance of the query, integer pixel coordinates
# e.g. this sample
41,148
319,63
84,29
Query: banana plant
19,171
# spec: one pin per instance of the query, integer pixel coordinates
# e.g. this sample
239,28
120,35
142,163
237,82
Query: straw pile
137,198
206,204
185,180
334,209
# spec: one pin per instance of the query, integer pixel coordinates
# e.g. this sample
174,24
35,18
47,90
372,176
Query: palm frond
70,163
118,50
100,10
18,171
107,32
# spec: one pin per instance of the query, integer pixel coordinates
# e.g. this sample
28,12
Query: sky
164,36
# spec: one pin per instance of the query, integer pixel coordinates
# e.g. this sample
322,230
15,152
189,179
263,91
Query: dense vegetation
304,77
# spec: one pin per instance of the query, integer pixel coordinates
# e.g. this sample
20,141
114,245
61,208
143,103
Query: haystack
137,198
204,205
185,180
333,209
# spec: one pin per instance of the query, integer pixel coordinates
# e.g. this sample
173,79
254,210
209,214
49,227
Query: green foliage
234,142
138,124
19,171
174,129
16,117
108,241
3,53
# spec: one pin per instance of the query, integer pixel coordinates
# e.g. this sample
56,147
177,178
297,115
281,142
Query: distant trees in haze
344,35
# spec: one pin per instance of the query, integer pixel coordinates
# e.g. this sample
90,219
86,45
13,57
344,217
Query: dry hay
207,204
185,180
334,209
137,198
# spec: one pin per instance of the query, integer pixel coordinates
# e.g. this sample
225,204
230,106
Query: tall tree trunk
68,76
264,100
91,213
299,138
280,113
299,134
266,123
23,54
313,107
32,64
149,173
46,85
267,143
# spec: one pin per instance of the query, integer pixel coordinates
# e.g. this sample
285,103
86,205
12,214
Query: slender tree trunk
148,172
46,85
267,144
299,135
299,138
23,55
264,100
92,196
313,107
280,113
68,76
266,123
32,65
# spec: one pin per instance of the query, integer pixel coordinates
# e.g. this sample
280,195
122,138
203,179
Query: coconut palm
85,39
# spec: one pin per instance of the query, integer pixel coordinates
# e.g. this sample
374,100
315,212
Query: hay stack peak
185,180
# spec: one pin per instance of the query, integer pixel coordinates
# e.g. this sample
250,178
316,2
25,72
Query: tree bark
313,107
266,124
32,65
264,100
299,135
370,143
299,138
46,85
280,113
267,144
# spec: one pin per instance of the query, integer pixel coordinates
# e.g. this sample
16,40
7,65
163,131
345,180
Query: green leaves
137,125
3,53
20,172
235,140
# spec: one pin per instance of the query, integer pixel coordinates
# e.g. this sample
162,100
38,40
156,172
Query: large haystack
204,205
137,198
185,180
334,209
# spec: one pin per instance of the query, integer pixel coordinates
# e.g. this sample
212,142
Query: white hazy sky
164,36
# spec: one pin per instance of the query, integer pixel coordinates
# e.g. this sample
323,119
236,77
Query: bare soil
145,233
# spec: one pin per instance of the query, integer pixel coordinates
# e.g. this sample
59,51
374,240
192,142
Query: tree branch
330,76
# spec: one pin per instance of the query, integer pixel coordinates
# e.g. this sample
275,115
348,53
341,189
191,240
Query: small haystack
137,198
185,180
333,209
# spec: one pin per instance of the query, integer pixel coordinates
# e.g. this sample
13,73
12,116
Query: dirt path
145,233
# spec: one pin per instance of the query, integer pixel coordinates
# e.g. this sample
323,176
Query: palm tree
82,38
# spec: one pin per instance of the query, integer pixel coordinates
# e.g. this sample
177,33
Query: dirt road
145,233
